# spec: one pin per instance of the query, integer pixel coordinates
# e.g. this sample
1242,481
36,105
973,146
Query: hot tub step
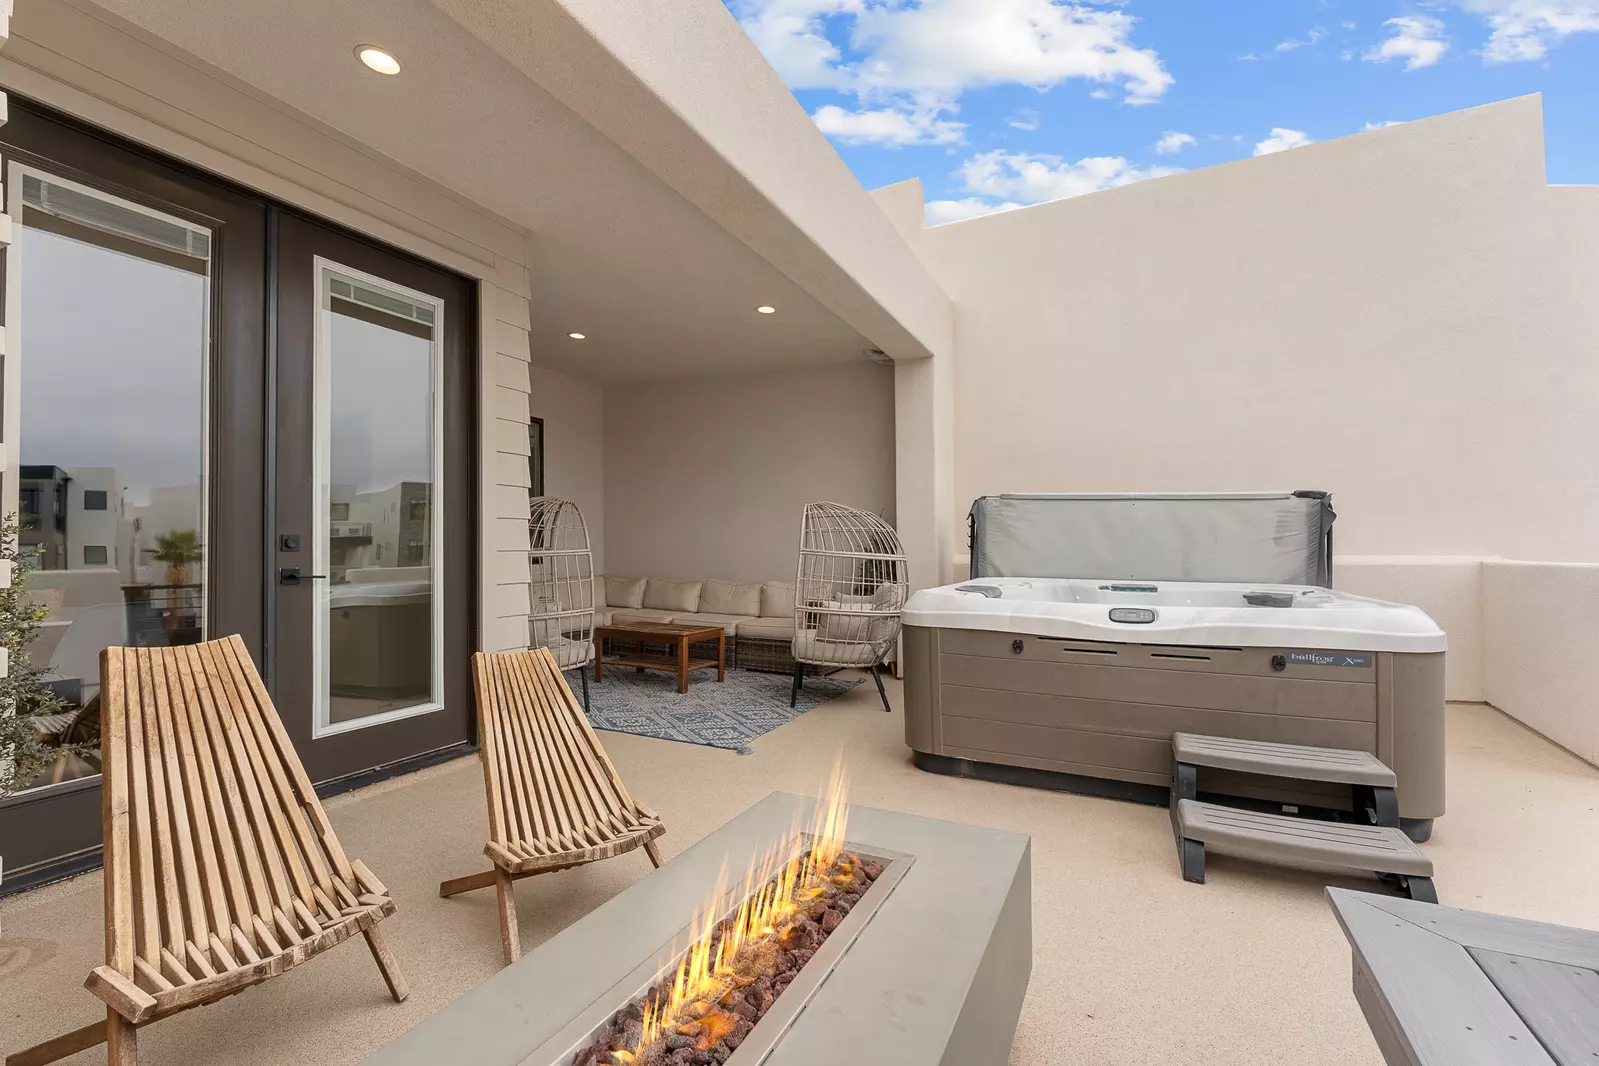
1381,850
1373,782
1298,761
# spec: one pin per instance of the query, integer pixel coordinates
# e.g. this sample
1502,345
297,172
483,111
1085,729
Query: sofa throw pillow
730,597
624,591
663,595
777,600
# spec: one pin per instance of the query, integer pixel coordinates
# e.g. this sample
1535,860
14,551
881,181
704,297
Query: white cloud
1172,141
891,127
1030,178
1316,34
949,46
939,212
1368,127
1417,39
1025,119
1281,140
1526,29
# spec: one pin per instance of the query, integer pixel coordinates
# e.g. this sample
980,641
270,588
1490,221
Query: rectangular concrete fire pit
930,967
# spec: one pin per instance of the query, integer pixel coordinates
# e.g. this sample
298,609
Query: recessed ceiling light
377,59
578,336
767,309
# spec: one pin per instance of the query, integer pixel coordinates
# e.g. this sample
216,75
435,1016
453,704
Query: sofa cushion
728,622
767,628
810,648
570,653
777,600
730,597
878,616
624,591
623,616
661,594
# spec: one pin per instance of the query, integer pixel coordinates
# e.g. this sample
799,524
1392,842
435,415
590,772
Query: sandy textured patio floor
1131,964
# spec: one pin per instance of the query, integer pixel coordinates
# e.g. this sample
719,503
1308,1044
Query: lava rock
872,869
678,1041
830,921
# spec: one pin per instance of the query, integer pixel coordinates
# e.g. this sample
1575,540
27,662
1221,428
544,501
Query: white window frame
324,269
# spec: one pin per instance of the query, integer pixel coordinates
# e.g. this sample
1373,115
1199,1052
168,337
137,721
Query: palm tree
177,548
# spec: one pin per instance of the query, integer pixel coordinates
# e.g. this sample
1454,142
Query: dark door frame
53,833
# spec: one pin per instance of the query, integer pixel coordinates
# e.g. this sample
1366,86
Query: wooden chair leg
653,850
60,1047
386,964
121,1040
510,933
470,883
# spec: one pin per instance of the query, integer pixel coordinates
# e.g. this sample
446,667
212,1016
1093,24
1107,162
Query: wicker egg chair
561,593
849,592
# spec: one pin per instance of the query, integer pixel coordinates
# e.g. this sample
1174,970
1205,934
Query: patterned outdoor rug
727,715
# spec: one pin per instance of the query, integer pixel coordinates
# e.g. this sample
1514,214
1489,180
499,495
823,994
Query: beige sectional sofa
755,616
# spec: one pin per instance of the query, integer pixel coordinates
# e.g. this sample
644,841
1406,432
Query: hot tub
1080,684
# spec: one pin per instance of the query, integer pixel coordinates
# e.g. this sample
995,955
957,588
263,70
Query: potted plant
26,750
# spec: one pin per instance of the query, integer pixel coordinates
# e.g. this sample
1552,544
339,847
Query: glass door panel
110,310
378,613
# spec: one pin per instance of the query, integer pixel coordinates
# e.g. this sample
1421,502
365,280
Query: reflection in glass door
378,618
111,307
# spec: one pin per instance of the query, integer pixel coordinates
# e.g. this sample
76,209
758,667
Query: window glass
112,345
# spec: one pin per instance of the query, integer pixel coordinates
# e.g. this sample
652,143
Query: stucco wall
1401,317
708,478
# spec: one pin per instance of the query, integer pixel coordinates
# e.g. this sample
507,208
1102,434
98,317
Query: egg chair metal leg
878,677
799,681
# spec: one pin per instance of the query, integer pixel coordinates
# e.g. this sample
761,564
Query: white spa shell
1186,613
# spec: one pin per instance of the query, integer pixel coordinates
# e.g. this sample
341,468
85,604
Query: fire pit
900,938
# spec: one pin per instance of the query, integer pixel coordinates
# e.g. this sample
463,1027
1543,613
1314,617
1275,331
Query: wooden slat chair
555,800
221,868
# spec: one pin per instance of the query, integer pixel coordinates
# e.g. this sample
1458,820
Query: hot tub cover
1277,538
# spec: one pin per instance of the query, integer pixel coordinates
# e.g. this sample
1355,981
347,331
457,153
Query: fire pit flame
725,981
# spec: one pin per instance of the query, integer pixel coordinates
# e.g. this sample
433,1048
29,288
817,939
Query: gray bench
1373,783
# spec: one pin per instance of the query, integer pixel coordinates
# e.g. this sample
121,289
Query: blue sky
1002,103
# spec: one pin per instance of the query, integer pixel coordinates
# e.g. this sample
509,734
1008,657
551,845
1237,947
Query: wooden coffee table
680,637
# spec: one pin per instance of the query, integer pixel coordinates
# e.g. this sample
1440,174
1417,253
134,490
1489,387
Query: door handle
290,575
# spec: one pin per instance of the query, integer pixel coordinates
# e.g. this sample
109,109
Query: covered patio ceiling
658,287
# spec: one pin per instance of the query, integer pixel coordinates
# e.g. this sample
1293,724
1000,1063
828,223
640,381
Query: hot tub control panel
1133,615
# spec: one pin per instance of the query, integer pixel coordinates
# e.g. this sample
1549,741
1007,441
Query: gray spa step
1297,761
1279,838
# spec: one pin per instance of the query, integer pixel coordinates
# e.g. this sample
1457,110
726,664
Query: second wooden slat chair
555,801
221,868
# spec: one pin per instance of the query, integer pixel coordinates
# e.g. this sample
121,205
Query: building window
95,555
29,503
339,511
415,551
418,510
94,499
535,457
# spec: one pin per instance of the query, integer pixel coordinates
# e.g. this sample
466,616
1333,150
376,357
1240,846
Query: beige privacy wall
1407,318
707,478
